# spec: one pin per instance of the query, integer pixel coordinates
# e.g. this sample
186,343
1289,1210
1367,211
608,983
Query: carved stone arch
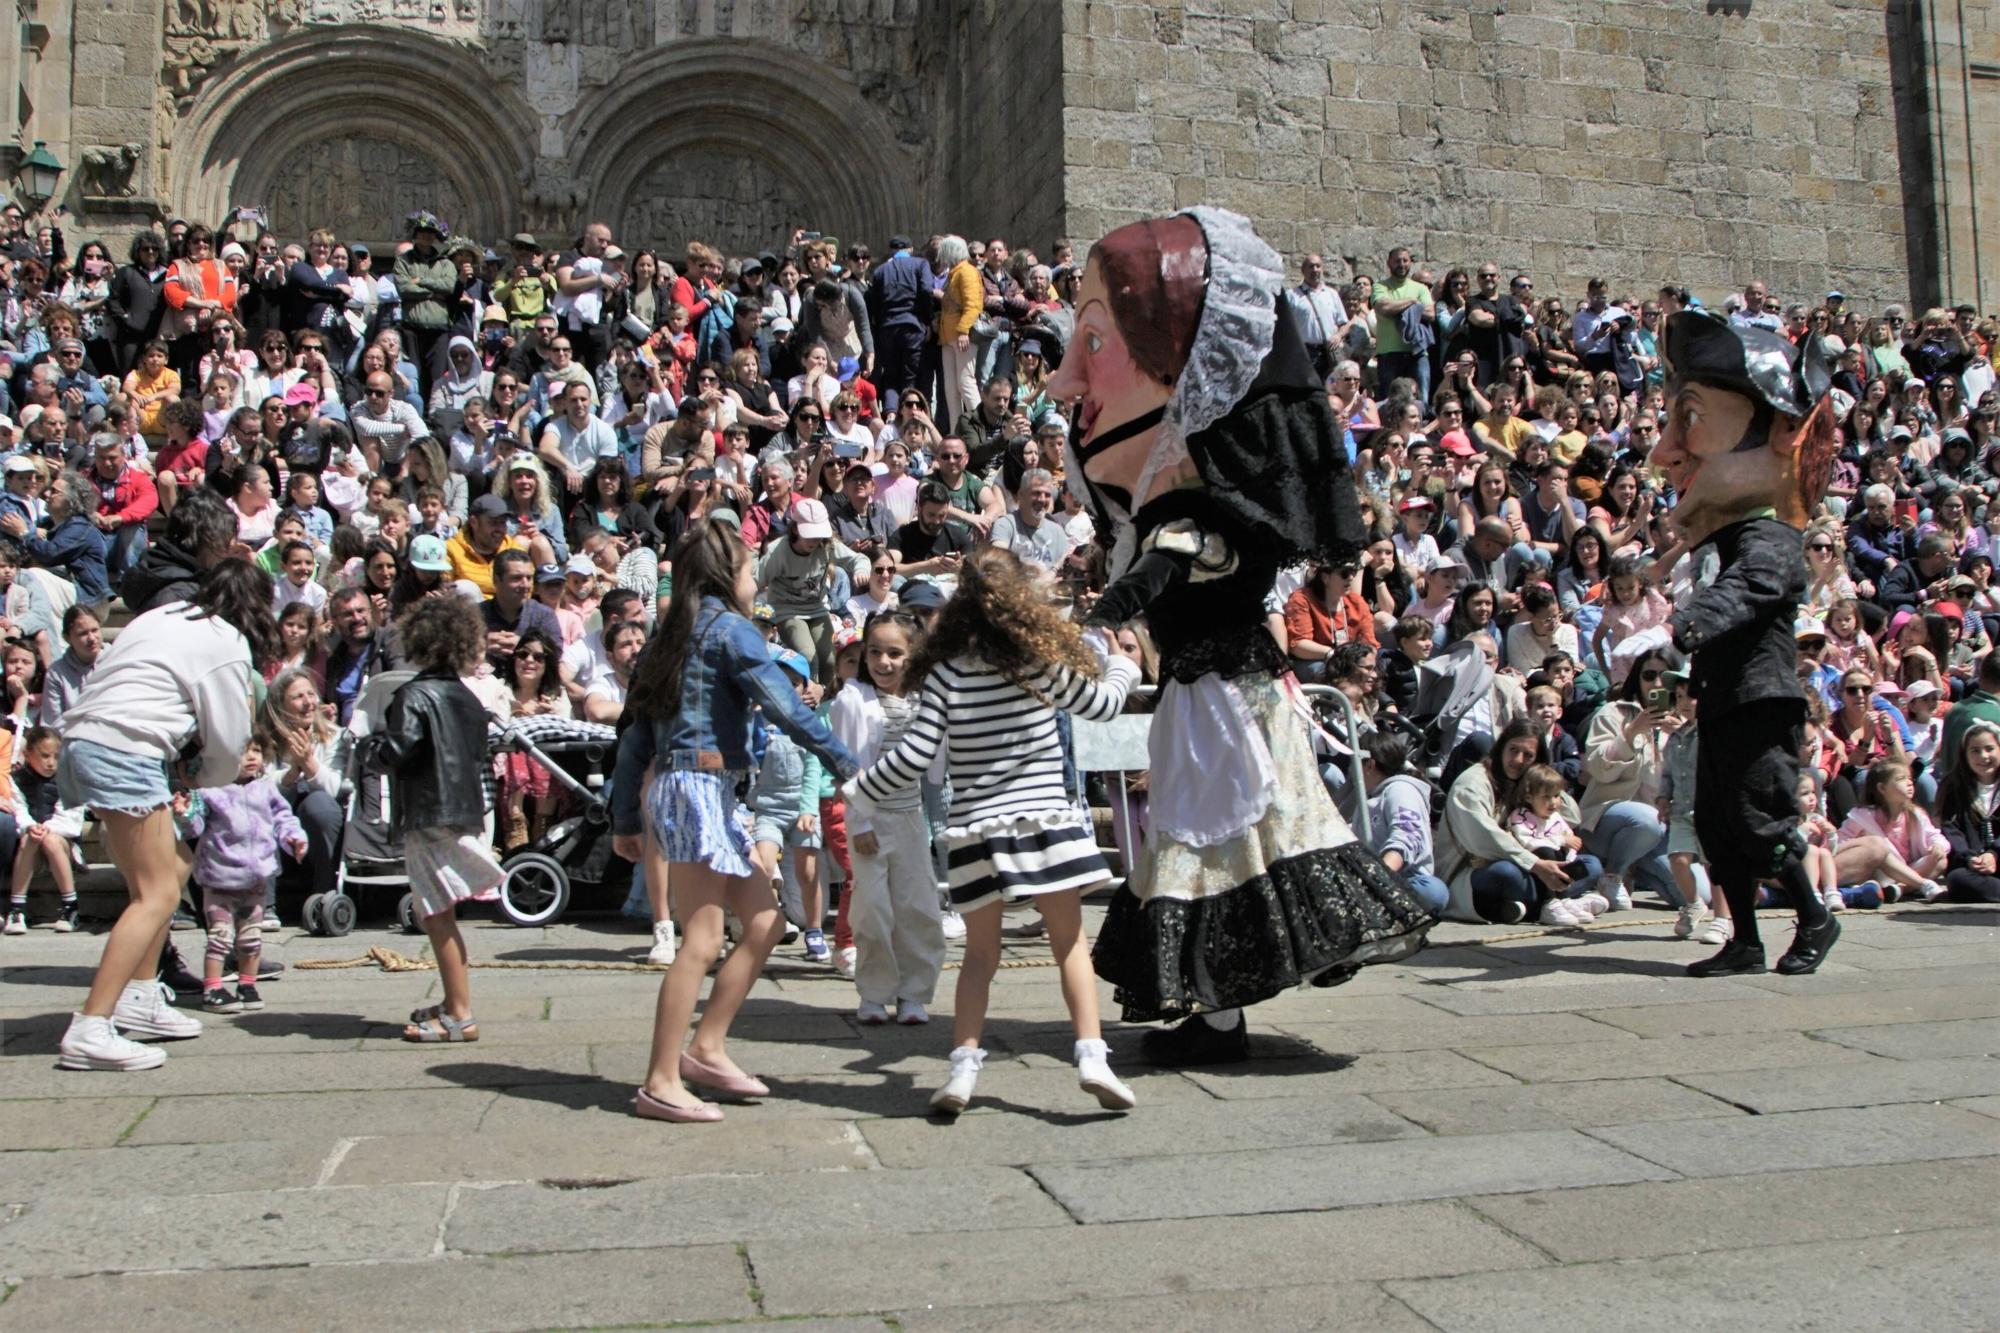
776,110
360,96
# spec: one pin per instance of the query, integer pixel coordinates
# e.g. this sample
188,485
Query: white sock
967,1055
1223,1020
1093,1049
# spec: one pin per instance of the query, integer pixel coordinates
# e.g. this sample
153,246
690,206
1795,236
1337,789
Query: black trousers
1746,805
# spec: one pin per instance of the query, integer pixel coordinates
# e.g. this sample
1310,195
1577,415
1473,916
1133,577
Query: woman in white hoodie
167,709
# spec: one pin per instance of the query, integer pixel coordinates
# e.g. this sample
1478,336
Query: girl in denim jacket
693,702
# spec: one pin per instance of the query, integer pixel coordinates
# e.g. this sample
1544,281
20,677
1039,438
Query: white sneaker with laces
93,1043
871,1014
1615,892
1932,890
1559,912
17,924
910,1013
1834,902
1094,1076
1716,930
143,1011
957,1090
662,952
843,961
954,926
1688,921
1592,903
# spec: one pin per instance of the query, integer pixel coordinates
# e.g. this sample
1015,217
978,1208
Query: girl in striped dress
992,674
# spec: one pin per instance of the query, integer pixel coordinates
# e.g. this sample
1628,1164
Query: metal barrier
1120,745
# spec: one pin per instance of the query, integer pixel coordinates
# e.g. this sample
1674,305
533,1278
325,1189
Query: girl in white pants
898,931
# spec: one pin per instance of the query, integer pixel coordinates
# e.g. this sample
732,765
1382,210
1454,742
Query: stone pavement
1523,1132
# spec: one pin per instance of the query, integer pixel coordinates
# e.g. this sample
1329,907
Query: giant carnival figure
1205,445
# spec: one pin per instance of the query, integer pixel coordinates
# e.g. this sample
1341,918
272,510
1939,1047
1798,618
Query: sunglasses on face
1822,547
530,655
378,393
1855,689
1651,673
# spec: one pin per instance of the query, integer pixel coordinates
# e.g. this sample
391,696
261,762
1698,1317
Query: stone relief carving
620,24
361,187
698,194
553,197
108,172
285,15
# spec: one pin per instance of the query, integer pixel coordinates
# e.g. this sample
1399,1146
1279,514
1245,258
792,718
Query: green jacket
1978,706
426,286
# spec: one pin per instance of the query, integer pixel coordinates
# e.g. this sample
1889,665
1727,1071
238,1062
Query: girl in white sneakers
993,672
167,708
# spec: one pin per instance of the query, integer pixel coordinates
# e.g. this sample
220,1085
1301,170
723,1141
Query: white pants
961,381
898,934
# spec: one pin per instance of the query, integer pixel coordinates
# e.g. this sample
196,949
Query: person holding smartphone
1625,759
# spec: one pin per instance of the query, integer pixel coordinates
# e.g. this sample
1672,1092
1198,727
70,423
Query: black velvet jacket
433,744
1739,629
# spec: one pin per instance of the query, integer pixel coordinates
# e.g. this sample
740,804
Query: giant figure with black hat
1748,445
1206,445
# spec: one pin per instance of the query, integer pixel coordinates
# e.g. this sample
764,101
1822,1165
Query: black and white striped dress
1012,831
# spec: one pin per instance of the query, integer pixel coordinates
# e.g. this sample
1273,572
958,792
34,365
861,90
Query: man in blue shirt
899,302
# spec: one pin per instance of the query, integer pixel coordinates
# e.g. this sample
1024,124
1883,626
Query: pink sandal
649,1107
708,1076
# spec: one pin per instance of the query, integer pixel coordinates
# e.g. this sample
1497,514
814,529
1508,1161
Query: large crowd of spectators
535,425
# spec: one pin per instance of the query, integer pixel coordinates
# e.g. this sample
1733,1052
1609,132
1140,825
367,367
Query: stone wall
996,162
1643,141
1948,99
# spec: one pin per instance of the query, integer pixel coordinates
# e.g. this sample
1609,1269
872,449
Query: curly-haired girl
993,673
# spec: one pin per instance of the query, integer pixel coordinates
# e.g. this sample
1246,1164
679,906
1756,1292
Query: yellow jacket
964,301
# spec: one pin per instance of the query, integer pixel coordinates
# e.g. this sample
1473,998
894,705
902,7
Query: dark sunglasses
530,655
1855,689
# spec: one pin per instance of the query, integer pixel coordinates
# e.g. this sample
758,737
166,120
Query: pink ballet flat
649,1107
708,1076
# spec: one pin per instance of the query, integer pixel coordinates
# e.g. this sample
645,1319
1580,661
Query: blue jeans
1494,886
1430,890
126,546
1393,366
1631,839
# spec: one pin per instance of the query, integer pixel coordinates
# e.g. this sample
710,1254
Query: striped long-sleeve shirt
1000,741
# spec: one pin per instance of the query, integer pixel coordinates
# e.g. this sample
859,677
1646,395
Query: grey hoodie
1399,816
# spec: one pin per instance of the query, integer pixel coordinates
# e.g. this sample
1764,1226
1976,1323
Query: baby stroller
371,856
576,848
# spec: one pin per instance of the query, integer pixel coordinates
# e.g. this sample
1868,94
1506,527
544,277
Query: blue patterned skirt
696,817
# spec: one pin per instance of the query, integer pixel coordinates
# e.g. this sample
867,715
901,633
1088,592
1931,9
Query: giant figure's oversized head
1749,424
1185,372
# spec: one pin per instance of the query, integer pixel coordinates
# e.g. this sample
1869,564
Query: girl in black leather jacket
433,745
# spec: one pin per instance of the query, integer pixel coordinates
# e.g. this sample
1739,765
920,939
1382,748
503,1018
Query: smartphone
847,449
1907,509
1659,701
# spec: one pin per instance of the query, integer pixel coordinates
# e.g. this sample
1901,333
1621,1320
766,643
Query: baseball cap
549,573
581,564
489,506
1414,502
791,660
750,266
302,393
849,367
525,240
920,595
1451,560
1808,627
809,520
1922,689
1835,296
613,252
899,242
21,463
1459,443
427,554
493,314
523,463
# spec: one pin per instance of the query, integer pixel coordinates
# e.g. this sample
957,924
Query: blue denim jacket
728,673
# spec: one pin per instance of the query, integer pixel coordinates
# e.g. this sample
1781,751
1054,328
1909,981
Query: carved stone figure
360,187
107,172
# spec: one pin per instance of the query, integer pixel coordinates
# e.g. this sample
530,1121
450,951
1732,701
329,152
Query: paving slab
701,1210
70,1234
1935,1280
1801,1140
530,1291
231,1117
1979,1037
1839,980
1930,956
615,1149
1336,1176
1743,1212
1332,1073
396,1066
1013,1139
964,1270
1356,1305
1441,1031
1983,1105
1551,1105
68,1122
1795,1014
165,1169
1565,993
1664,1056
1870,1083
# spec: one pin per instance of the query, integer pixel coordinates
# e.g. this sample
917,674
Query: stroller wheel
338,912
311,914
535,891
406,915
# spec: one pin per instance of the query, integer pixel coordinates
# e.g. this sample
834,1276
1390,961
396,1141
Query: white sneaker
957,1090
93,1043
1932,890
1560,912
143,1011
910,1013
871,1014
270,920
1689,920
662,952
954,926
1093,1074
1834,902
17,924
843,960
1592,903
1615,892
1716,930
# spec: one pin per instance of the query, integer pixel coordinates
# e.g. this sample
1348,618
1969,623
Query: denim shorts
118,781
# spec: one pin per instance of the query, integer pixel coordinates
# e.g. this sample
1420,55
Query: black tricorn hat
1702,347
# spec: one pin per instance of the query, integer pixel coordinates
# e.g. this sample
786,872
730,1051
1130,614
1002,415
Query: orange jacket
964,302
1351,621
209,280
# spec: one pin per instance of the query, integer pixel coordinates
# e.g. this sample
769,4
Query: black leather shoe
1736,959
1195,1042
1810,947
175,976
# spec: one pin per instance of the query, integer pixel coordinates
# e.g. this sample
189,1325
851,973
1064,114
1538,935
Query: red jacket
1350,622
697,306
129,497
